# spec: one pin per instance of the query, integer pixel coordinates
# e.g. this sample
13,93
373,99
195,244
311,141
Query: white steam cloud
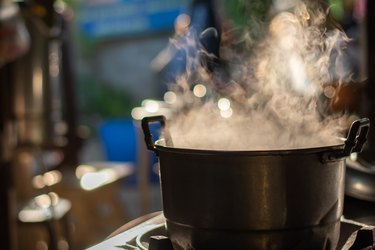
275,91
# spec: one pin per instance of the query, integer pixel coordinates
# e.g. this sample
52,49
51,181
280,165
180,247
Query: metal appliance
37,107
148,233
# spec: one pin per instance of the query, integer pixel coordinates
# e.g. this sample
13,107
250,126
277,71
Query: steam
274,97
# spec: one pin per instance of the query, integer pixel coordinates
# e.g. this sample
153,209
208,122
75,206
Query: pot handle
146,121
357,136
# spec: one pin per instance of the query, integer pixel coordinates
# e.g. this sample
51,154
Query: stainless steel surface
14,38
218,192
137,234
250,191
37,85
207,194
360,180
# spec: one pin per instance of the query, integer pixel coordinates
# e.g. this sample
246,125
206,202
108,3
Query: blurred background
76,77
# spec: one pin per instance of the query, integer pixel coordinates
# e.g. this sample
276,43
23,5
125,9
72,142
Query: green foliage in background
244,12
102,100
248,16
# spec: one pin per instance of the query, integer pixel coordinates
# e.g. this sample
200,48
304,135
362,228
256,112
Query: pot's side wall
251,192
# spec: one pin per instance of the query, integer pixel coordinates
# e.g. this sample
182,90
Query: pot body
267,197
277,199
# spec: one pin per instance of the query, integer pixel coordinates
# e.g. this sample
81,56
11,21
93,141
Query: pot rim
160,145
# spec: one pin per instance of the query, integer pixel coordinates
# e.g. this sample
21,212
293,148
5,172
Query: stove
149,233
355,230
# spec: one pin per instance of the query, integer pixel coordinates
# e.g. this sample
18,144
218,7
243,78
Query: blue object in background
120,144
119,139
119,18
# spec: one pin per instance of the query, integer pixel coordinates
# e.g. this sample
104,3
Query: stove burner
160,242
154,239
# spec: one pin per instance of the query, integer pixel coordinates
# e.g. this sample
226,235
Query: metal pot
253,199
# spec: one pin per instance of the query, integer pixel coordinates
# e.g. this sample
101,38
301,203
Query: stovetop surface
353,235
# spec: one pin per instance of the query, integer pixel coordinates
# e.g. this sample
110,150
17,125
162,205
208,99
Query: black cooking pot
253,199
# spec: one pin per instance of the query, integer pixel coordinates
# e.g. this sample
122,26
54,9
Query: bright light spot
33,212
199,90
170,97
54,198
91,181
151,106
137,113
38,182
226,113
48,179
31,215
52,177
223,104
43,201
81,170
353,156
359,186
